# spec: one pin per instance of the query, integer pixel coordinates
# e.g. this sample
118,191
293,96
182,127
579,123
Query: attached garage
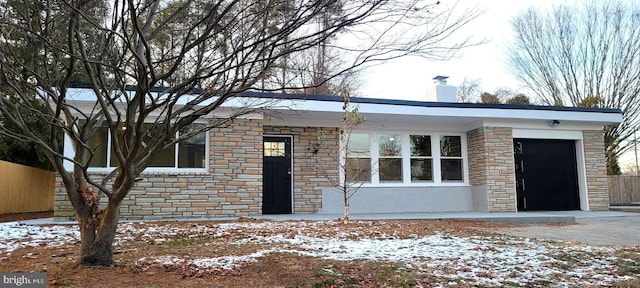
546,174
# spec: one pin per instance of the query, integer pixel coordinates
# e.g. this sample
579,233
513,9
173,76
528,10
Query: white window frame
440,158
345,156
406,159
406,148
378,157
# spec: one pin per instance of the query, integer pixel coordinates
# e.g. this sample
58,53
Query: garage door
546,176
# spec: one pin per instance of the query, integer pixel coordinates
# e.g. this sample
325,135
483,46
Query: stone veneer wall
490,151
596,170
310,171
231,187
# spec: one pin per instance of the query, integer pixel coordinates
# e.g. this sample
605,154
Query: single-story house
417,156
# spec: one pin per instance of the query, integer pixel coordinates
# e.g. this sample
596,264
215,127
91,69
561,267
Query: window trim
406,159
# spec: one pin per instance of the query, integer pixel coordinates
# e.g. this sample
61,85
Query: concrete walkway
517,217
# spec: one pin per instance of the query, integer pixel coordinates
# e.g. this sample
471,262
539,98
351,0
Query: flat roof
413,103
381,101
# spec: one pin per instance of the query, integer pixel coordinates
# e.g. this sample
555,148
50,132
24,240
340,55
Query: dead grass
279,269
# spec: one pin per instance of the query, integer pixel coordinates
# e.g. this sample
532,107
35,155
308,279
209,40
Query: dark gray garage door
546,176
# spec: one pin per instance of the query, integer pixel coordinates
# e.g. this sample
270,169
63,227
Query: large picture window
190,153
406,158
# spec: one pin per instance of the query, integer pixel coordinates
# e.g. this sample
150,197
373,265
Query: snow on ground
14,235
495,260
481,260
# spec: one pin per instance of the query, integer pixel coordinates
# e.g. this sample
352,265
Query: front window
358,162
451,158
421,160
99,142
386,158
390,161
191,153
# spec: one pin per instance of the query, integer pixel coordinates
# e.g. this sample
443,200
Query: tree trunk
346,213
97,242
345,194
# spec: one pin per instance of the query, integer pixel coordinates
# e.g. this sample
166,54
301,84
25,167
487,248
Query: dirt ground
272,270
25,216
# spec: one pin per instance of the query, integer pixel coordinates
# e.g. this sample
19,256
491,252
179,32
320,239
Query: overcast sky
410,77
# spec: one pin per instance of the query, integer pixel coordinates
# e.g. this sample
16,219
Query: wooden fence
25,189
624,189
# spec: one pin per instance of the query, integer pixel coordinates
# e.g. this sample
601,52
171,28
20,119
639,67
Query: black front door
546,174
276,173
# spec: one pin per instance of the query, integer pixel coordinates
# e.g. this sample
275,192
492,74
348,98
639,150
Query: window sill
156,171
423,184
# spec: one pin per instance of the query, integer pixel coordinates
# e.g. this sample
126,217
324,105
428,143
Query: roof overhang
468,115
321,110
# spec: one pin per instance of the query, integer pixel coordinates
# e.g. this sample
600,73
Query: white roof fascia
302,105
467,112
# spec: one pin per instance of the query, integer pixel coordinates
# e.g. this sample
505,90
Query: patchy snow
481,260
216,263
14,235
476,260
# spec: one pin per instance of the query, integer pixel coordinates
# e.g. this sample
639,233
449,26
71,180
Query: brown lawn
277,269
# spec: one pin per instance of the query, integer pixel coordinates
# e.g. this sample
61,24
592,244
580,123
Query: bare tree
353,161
469,90
304,69
208,51
571,53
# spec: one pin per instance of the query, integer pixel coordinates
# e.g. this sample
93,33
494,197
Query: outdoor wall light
315,147
554,123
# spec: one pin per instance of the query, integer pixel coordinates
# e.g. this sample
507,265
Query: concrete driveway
613,229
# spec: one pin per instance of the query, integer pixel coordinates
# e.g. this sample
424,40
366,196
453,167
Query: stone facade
596,170
490,151
236,170
311,172
231,187
233,184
